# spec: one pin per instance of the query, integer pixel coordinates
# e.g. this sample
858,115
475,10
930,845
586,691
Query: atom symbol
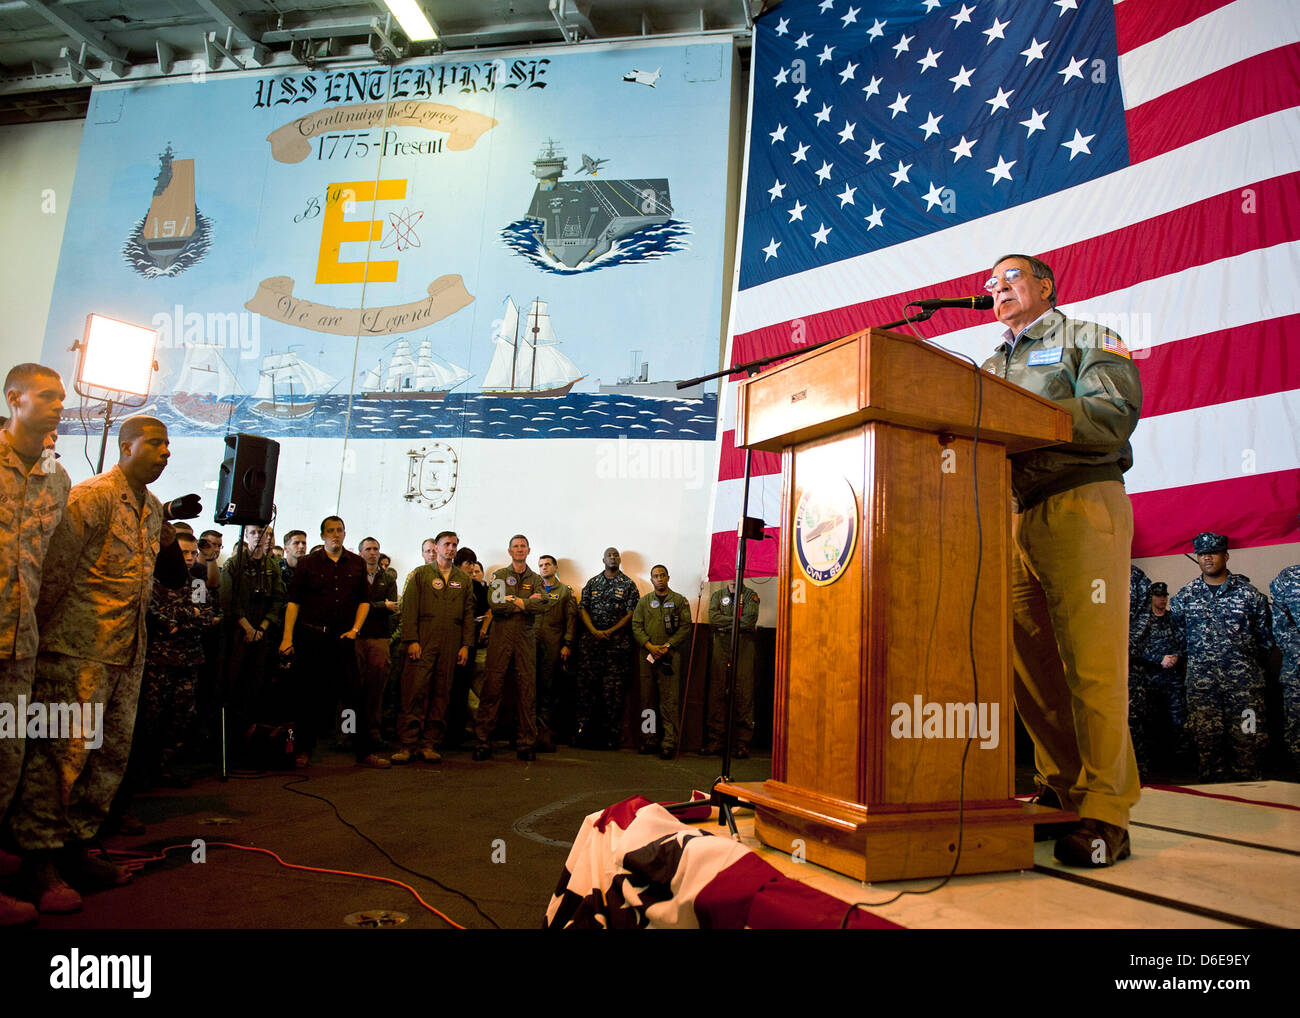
403,233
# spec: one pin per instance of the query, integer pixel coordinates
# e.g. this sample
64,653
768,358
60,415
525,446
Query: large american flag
1149,150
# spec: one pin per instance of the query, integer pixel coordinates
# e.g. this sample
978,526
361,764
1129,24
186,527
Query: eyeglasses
1010,276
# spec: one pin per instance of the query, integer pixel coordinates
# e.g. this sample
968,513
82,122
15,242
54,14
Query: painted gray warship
583,218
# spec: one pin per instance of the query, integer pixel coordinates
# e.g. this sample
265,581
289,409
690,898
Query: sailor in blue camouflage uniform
1154,663
1223,627
1285,590
608,601
1139,609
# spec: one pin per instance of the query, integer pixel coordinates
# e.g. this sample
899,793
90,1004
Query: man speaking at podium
1072,531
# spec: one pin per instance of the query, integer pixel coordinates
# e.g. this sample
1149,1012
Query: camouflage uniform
438,614
1139,610
603,664
94,595
1072,532
252,667
31,504
661,620
556,629
722,613
1285,589
1165,730
1225,633
168,692
512,638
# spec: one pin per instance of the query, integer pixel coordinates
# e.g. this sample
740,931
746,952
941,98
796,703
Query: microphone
983,302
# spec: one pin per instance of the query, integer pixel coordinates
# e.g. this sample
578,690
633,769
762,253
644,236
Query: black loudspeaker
246,484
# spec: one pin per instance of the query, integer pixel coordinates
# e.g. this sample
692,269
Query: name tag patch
1051,355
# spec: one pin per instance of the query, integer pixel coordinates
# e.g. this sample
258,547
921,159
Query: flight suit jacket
558,623
661,620
505,583
98,575
434,608
1085,368
722,616
31,505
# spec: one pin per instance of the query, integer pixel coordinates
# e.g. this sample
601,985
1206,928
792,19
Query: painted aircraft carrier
582,219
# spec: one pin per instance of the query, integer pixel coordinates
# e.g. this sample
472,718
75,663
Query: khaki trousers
1070,583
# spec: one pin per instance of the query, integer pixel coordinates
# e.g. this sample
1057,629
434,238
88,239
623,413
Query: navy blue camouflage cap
1208,543
1159,589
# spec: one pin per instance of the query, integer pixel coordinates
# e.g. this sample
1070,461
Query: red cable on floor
138,862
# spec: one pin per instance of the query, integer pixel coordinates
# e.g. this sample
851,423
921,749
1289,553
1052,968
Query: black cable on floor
288,786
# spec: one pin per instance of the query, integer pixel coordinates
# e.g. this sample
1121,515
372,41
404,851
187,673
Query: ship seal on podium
826,530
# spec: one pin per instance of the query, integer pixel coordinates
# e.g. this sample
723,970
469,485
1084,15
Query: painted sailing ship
420,377
582,219
289,387
527,361
171,221
206,388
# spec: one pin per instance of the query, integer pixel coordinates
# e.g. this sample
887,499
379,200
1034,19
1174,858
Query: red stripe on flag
1139,21
1220,367
1257,86
732,465
1195,234
760,556
1253,510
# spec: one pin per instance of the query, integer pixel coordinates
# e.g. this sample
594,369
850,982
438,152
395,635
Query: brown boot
15,913
53,895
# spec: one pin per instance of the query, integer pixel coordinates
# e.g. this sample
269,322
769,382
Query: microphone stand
749,528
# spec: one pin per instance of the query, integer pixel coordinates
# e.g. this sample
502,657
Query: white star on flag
850,18
876,30
825,5
962,78
873,150
825,55
802,41
932,197
1035,122
999,101
1002,169
1077,144
931,59
801,153
825,172
847,133
846,196
1035,51
777,190
995,30
901,47
962,16
771,249
797,211
1065,5
778,134
900,174
801,96
872,87
962,148
931,125
782,76
846,75
821,235
899,105
875,217
1073,70
823,115
782,27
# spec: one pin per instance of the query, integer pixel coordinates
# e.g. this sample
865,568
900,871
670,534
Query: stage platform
1204,857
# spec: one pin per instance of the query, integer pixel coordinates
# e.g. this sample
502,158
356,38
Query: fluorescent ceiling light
412,19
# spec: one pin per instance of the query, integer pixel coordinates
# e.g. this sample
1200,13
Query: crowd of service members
1205,685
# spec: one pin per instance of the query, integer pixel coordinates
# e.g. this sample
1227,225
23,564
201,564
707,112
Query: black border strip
1215,837
1155,899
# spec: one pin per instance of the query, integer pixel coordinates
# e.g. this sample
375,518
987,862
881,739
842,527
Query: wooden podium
879,542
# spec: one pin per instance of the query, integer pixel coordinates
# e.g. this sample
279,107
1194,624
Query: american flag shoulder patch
1113,344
